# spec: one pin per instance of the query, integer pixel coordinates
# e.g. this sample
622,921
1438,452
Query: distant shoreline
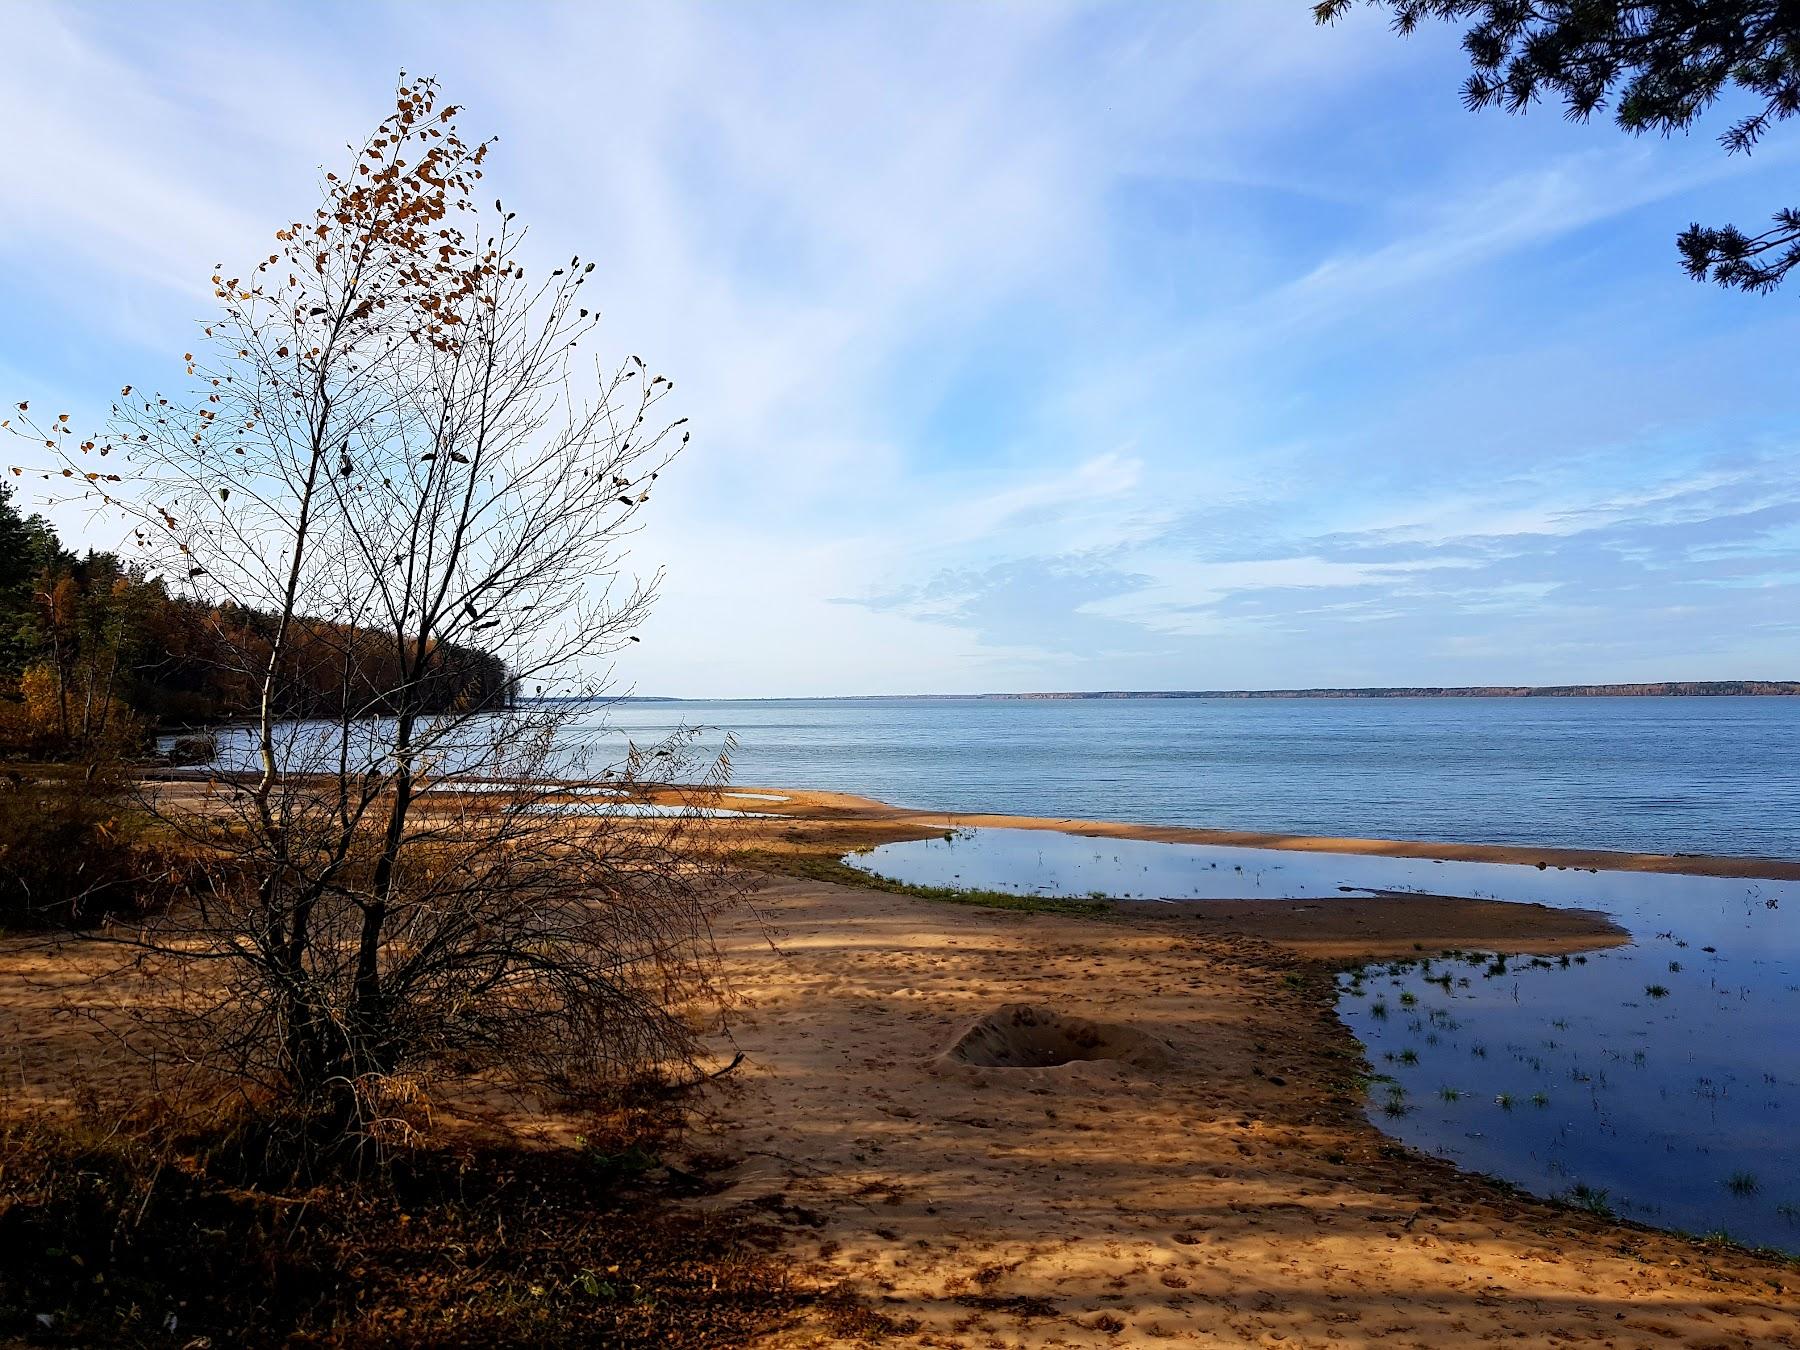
1662,689
1655,689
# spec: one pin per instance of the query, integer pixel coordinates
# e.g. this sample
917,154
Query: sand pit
1027,1036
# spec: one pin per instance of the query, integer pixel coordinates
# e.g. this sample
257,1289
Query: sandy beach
1229,1193
1200,1169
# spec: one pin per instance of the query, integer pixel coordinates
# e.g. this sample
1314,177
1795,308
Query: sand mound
1026,1036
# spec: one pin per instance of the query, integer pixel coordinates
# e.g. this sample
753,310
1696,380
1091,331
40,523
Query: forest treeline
95,654
1653,689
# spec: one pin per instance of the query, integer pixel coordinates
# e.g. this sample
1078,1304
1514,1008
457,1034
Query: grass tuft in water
1590,1198
1741,1183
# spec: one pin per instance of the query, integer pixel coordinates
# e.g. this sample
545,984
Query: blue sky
1042,346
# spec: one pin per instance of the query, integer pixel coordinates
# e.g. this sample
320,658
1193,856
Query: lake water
1659,1080
1696,775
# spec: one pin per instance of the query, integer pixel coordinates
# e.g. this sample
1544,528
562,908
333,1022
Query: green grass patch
831,867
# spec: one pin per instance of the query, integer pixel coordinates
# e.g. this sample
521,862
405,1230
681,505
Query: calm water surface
1660,1080
1695,775
1698,775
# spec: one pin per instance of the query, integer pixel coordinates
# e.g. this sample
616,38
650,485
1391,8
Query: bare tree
409,508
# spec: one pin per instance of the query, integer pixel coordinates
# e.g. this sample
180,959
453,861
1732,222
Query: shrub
69,849
21,735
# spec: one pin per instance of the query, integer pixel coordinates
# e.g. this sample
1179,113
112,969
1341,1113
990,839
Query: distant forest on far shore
1659,689
95,655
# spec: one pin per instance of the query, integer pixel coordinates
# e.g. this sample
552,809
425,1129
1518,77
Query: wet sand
1353,928
848,809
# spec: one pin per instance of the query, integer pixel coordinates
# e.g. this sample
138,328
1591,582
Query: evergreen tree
28,547
1658,65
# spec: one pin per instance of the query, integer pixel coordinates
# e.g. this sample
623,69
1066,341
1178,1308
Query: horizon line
1753,688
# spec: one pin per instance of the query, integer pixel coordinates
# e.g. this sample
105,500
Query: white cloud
1158,254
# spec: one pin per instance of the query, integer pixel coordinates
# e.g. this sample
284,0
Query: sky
1037,346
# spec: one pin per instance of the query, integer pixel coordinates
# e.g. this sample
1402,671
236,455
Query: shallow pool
1660,1080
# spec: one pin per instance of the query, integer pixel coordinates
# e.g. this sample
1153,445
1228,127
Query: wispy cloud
1025,344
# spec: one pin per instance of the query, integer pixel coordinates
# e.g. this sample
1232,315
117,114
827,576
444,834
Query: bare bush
408,508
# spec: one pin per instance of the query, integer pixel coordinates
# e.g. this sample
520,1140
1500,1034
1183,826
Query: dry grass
145,1236
126,1221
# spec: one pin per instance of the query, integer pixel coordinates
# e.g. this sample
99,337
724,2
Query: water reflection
1659,1080
657,809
